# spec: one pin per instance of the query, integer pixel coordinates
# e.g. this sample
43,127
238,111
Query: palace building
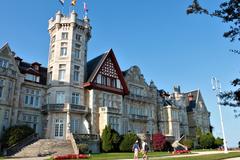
74,99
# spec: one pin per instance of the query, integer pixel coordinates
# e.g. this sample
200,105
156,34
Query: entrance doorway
59,128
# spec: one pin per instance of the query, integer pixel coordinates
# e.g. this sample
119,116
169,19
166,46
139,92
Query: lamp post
216,86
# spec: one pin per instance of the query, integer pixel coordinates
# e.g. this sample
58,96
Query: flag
62,2
85,7
74,2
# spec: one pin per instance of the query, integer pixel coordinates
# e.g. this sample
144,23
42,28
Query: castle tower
65,109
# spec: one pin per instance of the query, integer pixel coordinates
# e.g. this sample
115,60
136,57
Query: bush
110,140
127,142
159,141
83,148
15,134
188,143
168,147
207,141
218,142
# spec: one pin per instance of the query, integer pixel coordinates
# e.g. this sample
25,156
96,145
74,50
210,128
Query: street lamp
216,86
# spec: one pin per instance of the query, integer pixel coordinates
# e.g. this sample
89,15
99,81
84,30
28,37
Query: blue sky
170,47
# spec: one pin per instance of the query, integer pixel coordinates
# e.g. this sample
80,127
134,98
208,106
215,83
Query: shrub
83,148
110,140
207,141
15,134
127,142
159,141
188,143
218,142
168,146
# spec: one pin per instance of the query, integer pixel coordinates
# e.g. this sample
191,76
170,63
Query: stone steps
45,147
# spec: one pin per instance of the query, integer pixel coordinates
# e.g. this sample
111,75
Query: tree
159,141
218,142
198,134
110,140
127,142
207,141
239,144
15,134
228,12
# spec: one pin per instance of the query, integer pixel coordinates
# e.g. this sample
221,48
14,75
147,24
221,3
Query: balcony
8,72
138,117
139,98
64,108
54,108
110,110
78,108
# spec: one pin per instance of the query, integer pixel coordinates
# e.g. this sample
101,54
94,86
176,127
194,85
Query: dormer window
4,63
32,77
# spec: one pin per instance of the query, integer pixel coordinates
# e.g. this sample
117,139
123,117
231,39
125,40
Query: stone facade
80,97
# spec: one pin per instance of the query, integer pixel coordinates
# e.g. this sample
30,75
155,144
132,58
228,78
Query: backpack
146,148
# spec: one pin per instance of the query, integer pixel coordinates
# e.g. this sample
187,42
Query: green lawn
112,156
209,157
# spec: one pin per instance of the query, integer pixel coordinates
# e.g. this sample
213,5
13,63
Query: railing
110,109
138,117
63,108
139,97
16,147
77,108
74,144
8,72
85,137
54,108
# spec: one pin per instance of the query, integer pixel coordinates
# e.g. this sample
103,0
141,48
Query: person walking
145,149
136,149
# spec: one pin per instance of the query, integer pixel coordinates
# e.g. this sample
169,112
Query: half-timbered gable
105,74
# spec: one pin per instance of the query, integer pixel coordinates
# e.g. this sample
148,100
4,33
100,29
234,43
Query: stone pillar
68,122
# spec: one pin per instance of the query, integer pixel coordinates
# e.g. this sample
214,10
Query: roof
94,67
25,67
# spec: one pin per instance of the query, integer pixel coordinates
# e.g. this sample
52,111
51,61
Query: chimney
190,97
18,60
36,66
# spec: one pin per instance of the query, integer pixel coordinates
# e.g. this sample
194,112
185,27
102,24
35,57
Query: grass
209,157
112,156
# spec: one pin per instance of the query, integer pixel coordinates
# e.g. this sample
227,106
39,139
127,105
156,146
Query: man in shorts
145,149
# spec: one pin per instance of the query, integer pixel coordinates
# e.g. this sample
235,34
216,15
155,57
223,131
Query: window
60,97
107,100
3,63
78,37
62,69
50,74
63,51
1,88
76,98
32,77
76,73
6,114
32,98
114,122
64,35
75,125
77,53
53,39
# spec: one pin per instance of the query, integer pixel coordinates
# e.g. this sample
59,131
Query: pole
217,87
